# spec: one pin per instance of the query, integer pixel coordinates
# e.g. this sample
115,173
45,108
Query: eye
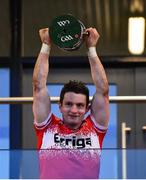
68,104
80,105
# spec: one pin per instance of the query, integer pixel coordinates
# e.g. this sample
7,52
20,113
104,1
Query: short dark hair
76,87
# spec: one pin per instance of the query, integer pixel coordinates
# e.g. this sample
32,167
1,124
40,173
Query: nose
74,109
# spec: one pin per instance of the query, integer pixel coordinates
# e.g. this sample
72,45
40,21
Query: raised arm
41,99
100,101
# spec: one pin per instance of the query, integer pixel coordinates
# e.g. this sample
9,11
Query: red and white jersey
66,153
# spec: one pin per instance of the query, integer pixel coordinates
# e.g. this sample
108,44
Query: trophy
67,32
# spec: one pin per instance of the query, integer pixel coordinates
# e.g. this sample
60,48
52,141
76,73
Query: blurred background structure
125,64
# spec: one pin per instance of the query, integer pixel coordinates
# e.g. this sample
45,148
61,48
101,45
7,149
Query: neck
73,126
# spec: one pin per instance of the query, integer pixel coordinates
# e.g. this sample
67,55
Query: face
73,109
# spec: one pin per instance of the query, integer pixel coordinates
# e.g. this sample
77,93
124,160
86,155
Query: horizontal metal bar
127,99
112,99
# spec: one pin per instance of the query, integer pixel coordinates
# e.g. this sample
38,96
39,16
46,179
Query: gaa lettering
73,141
63,23
66,38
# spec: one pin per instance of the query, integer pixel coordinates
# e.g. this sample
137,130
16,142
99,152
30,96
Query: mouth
73,116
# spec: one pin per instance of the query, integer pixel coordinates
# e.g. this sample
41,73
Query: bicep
41,105
100,109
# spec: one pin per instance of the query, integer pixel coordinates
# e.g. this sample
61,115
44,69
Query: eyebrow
79,103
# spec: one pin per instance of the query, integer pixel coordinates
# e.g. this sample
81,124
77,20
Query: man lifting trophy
70,147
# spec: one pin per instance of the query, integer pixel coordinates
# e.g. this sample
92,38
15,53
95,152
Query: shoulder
90,121
51,120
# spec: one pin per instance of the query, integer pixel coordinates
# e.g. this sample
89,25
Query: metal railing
112,99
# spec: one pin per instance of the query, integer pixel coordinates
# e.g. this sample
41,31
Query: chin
74,123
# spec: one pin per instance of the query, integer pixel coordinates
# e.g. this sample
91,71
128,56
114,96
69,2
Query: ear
60,107
88,108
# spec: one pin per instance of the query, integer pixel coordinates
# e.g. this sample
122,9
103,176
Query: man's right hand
92,38
44,36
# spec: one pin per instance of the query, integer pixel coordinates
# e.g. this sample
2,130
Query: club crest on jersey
72,141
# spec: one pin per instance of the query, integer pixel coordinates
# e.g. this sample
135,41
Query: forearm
98,73
41,68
